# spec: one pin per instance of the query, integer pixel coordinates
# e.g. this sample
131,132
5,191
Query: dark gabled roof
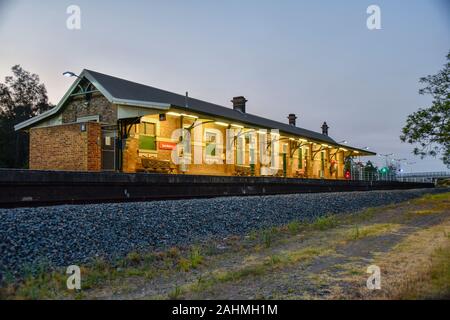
128,90
120,91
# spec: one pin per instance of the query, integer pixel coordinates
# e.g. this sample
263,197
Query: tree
370,171
430,127
22,96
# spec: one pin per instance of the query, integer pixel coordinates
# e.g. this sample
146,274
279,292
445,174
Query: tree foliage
429,128
22,96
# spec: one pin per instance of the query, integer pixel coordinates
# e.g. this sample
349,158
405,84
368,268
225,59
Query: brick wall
94,149
66,147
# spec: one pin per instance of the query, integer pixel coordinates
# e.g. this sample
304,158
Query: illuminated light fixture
189,115
69,74
262,131
237,125
175,114
292,139
303,140
343,149
325,145
274,134
356,151
223,124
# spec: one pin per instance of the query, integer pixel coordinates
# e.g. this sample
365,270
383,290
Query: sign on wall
167,145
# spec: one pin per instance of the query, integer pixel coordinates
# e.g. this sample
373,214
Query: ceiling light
189,116
223,124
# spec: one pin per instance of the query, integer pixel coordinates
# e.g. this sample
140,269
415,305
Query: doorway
109,140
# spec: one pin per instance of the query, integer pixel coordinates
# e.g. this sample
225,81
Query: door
109,150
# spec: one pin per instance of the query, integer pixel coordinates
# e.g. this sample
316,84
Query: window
95,118
148,129
210,140
240,150
300,158
322,160
147,136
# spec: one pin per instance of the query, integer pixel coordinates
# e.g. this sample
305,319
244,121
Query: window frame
141,133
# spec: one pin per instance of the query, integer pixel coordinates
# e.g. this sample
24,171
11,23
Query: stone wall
66,147
98,105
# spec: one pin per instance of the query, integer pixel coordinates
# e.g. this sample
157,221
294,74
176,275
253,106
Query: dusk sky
317,59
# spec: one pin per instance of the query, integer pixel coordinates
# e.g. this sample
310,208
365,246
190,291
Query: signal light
347,175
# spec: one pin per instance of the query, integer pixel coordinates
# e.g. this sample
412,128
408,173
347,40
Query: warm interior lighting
292,139
356,151
343,149
189,115
262,131
175,114
237,125
303,140
223,124
325,145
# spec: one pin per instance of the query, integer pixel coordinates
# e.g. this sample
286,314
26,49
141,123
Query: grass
175,294
440,273
294,227
134,258
269,264
267,238
429,283
424,212
325,223
357,232
194,260
432,198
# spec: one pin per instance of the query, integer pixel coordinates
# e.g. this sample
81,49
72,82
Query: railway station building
104,123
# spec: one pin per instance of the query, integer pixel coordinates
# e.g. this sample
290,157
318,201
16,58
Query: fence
430,177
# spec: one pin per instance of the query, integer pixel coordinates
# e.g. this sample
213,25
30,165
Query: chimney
292,118
239,103
325,128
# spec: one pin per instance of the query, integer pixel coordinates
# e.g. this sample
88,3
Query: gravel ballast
75,234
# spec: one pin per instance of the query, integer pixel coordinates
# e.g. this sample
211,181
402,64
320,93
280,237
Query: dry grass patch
360,232
418,267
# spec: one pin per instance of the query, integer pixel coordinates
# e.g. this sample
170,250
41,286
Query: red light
347,175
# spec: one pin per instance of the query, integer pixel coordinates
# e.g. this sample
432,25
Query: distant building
107,123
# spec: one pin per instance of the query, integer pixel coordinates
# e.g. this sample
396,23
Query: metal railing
431,177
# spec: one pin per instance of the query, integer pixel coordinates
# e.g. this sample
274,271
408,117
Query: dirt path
325,260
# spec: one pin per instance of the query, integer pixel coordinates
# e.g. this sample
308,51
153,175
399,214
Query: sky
316,59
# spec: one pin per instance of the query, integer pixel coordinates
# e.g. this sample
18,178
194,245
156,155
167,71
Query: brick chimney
292,118
325,128
239,103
